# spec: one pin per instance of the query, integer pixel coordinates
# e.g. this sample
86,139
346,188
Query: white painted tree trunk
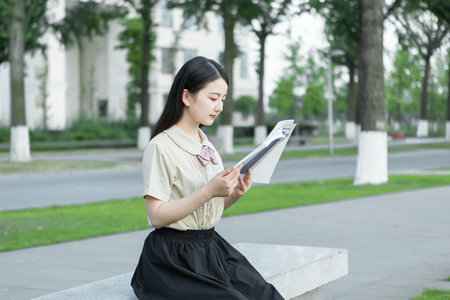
422,128
396,126
260,134
350,128
224,139
143,137
447,130
20,144
371,166
434,126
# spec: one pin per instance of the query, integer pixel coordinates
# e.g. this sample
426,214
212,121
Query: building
99,73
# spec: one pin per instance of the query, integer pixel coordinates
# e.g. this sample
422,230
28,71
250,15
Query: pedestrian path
135,155
398,245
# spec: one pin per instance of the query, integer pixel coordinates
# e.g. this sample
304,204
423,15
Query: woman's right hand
223,184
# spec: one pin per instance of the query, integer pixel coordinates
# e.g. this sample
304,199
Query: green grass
344,152
430,294
51,166
306,193
34,227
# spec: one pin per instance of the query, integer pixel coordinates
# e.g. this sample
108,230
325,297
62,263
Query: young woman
186,191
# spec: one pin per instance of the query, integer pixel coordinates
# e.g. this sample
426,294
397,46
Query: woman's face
204,106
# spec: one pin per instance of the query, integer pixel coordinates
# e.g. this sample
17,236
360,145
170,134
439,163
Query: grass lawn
430,294
344,152
33,227
51,166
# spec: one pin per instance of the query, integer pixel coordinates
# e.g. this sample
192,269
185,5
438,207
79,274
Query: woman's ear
186,98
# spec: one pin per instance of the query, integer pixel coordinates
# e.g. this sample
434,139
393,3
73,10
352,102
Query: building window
166,15
190,21
103,108
244,66
189,53
168,60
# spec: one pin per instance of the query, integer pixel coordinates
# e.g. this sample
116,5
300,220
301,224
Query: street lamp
298,102
331,54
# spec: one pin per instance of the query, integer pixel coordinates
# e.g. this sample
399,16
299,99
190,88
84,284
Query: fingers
227,171
248,178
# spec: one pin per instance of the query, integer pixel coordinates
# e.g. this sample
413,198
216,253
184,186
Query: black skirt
196,264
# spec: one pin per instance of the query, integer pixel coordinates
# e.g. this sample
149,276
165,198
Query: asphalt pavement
33,190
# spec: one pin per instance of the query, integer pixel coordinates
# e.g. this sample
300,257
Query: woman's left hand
242,187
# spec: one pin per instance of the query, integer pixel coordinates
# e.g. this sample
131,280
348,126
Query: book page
263,160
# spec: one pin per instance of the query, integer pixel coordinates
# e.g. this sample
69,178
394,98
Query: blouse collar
184,141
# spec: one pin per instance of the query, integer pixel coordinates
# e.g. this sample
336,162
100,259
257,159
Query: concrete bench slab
297,272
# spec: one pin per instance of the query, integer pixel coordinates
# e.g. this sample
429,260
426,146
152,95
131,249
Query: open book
263,160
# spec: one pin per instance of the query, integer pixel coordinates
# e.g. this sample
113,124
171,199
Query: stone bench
297,272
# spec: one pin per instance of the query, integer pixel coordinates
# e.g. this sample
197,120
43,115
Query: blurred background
83,74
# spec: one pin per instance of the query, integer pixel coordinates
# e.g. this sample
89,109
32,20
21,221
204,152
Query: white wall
111,70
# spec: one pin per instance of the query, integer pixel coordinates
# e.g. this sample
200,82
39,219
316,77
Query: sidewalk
398,244
135,155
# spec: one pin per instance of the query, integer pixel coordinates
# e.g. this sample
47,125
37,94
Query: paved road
74,187
398,245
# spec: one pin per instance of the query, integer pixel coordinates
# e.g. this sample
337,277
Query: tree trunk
224,135
260,120
20,141
144,129
260,128
228,22
350,126
351,94
145,13
422,127
82,76
424,96
447,124
372,148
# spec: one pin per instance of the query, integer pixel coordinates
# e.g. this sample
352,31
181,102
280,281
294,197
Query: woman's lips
213,116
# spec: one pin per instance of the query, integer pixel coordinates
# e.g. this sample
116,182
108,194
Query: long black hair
193,76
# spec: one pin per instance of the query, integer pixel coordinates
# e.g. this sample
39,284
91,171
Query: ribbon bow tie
207,155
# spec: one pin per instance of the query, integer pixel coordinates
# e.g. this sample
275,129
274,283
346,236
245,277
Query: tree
83,21
246,105
314,104
372,149
22,23
131,41
423,31
447,125
401,89
20,141
262,19
439,89
343,30
441,9
282,97
148,39
35,25
231,12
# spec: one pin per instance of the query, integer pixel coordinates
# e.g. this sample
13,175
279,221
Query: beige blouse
172,170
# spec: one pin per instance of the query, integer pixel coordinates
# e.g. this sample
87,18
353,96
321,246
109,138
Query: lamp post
330,97
298,101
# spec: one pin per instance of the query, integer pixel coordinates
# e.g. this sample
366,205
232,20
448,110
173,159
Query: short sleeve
156,173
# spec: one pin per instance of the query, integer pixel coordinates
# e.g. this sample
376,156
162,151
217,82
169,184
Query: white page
262,171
